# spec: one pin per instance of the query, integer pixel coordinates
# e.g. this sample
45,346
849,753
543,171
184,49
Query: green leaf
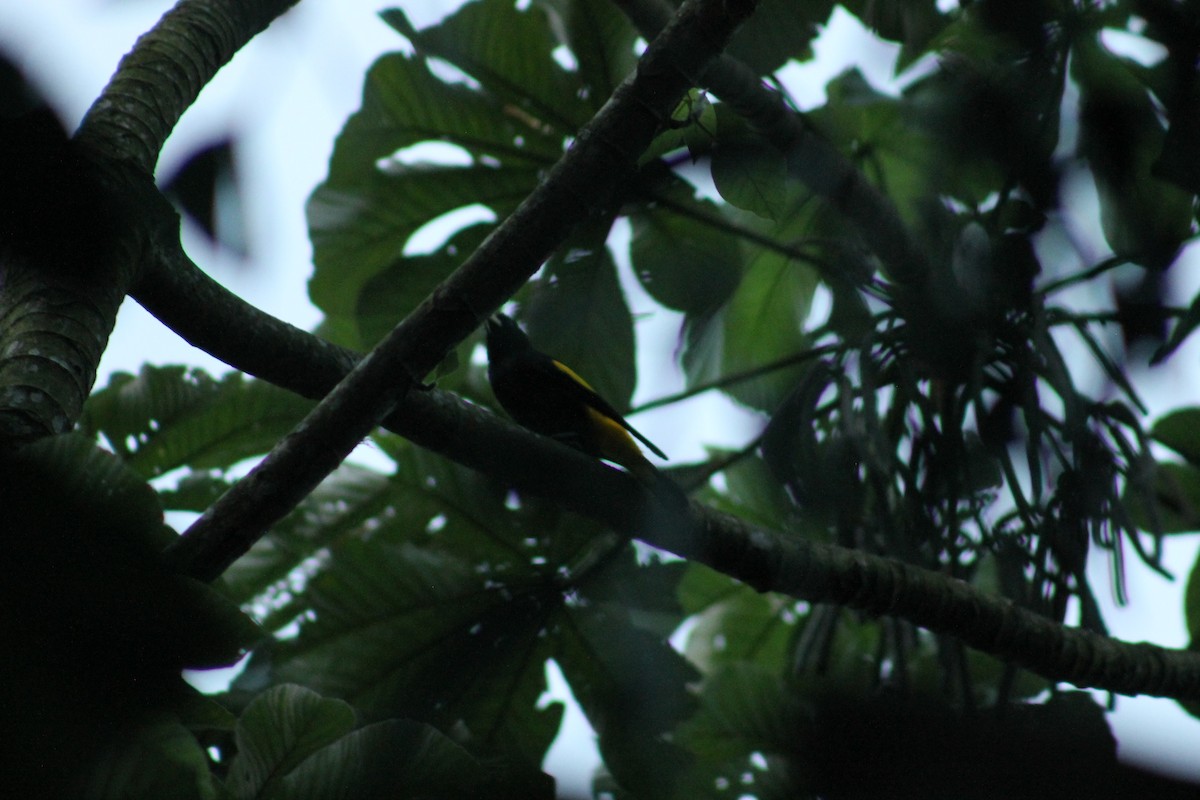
348,502
988,674
392,294
913,24
746,713
396,629
91,538
103,626
648,592
577,313
362,216
279,730
1191,607
1191,611
170,417
1180,431
161,759
436,503
634,689
682,251
749,484
395,759
195,491
751,174
601,39
989,118
445,605
762,323
734,623
359,227
207,630
779,31
1171,501
892,153
128,410
691,128
1180,331
1143,217
510,51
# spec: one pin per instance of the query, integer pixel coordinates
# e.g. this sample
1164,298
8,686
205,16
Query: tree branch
600,162
70,238
74,236
249,339
163,74
765,560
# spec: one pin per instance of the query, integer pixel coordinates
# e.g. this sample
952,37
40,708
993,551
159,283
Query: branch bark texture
89,203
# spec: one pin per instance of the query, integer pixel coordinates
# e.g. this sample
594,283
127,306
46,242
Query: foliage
407,618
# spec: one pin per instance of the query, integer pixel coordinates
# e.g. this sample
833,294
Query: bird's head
504,337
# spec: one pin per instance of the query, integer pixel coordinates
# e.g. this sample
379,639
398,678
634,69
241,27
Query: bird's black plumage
547,397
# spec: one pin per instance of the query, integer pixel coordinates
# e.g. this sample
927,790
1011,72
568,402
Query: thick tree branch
766,560
163,74
70,235
810,157
75,234
599,163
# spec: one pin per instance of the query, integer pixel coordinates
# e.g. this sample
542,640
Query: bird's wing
581,389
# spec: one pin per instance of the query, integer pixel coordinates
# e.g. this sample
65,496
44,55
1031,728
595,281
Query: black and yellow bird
547,397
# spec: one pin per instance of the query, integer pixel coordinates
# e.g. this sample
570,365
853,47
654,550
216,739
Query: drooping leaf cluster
408,615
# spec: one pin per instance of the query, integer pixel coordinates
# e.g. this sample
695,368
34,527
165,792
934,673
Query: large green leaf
88,538
1183,327
347,503
509,50
891,151
361,226
761,324
411,583
1169,502
733,623
442,504
401,630
294,744
440,597
160,759
1144,218
577,313
634,690
912,24
509,126
390,295
601,38
749,721
279,730
991,111
682,250
101,624
779,31
751,174
169,417
394,759
1180,431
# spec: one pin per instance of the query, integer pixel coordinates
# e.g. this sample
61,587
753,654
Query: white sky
288,94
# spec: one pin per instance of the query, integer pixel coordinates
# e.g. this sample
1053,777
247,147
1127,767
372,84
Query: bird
547,397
